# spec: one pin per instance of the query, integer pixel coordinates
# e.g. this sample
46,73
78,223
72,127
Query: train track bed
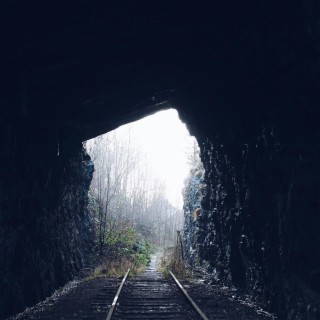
222,303
89,300
151,296
146,296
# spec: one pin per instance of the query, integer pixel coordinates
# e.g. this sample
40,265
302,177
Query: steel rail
202,315
117,296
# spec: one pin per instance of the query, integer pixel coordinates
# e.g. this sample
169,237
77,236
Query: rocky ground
91,298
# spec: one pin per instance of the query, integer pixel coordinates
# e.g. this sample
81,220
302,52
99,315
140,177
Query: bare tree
127,192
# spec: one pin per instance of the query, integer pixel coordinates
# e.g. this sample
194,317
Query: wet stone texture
257,230
45,230
193,193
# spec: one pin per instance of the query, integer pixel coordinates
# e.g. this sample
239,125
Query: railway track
151,296
146,296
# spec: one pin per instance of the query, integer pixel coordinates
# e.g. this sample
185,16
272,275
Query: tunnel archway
245,80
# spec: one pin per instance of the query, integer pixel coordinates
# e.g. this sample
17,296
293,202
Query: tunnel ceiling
73,65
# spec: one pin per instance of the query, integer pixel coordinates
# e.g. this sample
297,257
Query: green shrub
124,248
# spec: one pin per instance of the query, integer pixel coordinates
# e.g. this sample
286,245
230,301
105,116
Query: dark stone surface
245,78
193,193
258,227
45,229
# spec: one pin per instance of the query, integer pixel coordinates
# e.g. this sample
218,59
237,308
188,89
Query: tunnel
244,77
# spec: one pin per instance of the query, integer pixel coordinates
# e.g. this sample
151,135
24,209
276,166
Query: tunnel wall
44,225
258,230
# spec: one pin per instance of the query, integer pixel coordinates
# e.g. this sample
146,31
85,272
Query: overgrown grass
124,249
172,260
118,267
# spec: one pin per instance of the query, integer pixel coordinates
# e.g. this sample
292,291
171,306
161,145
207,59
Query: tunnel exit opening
136,194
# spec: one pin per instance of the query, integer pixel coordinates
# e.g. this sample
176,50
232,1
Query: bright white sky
165,140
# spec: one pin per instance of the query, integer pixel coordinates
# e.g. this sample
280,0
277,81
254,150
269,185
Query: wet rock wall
45,230
259,221
192,197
